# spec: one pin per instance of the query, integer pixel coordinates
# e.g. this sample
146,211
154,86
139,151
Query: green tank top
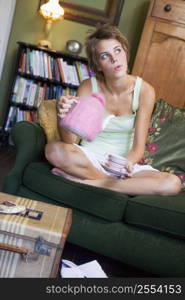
117,136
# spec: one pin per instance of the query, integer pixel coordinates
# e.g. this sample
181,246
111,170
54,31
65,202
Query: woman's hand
129,168
64,105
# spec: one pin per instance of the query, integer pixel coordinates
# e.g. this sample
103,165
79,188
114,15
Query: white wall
7,8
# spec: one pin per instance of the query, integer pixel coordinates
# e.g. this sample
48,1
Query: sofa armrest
29,140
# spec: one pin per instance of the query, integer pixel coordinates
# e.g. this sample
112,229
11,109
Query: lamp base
44,44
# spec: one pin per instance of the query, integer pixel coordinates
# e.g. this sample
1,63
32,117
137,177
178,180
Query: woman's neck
119,86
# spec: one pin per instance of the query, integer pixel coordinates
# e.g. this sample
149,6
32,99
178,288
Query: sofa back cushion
47,118
165,147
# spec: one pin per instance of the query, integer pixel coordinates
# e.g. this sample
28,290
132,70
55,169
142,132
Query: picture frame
91,16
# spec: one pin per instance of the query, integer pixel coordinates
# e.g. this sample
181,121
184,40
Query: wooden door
161,58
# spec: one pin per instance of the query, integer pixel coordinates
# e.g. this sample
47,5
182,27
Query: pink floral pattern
141,162
152,148
182,177
162,119
163,139
151,130
163,116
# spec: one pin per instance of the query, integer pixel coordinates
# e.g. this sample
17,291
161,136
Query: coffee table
32,241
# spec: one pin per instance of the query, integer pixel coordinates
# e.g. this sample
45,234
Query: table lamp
51,11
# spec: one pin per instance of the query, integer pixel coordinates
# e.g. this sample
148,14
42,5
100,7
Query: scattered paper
91,269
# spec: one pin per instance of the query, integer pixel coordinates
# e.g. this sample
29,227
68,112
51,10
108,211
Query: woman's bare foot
58,172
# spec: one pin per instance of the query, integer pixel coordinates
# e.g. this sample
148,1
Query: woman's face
112,58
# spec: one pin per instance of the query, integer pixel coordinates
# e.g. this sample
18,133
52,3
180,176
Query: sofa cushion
96,201
162,213
165,147
47,118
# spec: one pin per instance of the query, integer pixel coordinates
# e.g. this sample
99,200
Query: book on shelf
27,91
41,75
22,61
11,118
61,70
40,63
20,90
31,98
15,89
83,70
16,115
56,71
36,96
31,93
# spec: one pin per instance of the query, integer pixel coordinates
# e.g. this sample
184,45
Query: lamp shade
52,10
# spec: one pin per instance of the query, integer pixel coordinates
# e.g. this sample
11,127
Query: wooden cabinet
160,58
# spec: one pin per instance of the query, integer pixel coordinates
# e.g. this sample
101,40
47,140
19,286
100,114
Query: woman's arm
63,107
146,105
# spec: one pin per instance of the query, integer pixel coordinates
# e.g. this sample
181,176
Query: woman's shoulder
147,89
145,85
85,87
147,95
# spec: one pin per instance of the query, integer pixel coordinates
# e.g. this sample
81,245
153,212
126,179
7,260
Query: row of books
29,93
41,63
16,114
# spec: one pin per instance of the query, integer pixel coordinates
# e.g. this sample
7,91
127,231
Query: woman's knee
51,150
169,184
55,152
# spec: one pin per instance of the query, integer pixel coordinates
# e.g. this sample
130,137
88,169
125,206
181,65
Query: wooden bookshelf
42,75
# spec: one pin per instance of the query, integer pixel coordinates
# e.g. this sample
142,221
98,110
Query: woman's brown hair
103,32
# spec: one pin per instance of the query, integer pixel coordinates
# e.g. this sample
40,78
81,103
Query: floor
72,252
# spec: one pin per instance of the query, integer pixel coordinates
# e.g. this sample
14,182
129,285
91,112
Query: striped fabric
40,219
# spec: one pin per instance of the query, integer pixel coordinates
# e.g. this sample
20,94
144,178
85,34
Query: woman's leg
143,182
71,159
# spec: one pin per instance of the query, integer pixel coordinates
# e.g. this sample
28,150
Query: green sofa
147,232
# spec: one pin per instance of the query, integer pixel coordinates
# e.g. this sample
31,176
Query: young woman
131,100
